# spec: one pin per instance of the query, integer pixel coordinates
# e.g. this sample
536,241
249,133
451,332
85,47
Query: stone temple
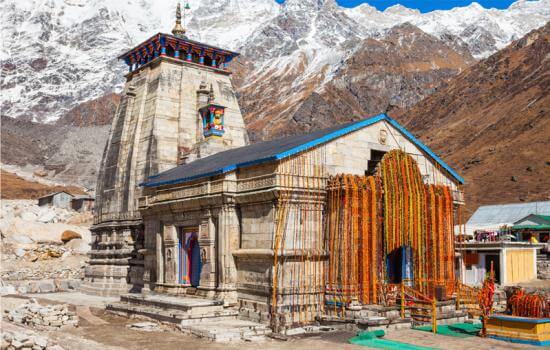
156,127
282,232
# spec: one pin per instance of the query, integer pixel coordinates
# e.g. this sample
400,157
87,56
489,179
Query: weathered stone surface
161,100
12,340
50,317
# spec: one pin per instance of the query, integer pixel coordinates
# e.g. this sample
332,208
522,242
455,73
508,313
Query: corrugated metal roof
273,150
499,214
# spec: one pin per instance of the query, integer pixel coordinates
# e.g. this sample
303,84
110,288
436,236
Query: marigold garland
370,217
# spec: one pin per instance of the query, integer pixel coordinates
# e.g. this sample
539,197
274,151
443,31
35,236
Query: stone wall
243,212
351,153
155,128
543,266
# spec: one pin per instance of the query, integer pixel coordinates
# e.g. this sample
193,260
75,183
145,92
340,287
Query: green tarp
458,330
372,340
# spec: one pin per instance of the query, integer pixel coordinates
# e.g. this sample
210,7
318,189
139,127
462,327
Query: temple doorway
399,265
189,257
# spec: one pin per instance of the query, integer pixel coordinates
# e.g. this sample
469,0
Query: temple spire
178,30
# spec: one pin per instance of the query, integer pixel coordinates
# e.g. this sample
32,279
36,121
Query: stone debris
50,317
17,340
145,326
42,250
22,274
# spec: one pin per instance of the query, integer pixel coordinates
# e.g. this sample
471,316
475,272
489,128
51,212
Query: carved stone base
114,267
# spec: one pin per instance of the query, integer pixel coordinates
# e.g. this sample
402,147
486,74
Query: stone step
227,330
188,305
173,316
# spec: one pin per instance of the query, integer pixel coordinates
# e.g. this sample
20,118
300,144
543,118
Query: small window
375,158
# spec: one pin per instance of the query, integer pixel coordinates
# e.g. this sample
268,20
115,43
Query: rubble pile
39,286
44,249
26,273
18,340
50,317
28,210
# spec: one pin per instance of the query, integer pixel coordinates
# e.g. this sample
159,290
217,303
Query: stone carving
256,183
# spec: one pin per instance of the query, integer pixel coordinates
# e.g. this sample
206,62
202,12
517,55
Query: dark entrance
496,266
399,265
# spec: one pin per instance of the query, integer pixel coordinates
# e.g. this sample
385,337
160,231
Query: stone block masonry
156,127
51,317
18,340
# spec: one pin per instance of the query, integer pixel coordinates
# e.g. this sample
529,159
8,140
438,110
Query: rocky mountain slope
492,123
67,154
60,53
398,70
16,187
304,65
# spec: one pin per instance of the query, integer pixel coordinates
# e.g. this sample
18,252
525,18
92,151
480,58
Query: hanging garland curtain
369,218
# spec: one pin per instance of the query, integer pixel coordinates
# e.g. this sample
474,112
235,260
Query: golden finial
178,30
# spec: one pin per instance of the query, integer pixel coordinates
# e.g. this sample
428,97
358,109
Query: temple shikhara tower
280,233
177,105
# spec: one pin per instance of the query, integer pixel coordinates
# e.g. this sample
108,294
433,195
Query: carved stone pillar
149,254
170,254
159,240
228,240
207,239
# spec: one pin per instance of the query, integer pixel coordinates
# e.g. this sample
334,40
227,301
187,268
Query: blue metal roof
274,150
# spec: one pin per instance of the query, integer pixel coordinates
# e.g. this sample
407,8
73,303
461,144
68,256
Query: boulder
21,238
19,252
78,245
7,289
47,216
69,235
46,286
28,216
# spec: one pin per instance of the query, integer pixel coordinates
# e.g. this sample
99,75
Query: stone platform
374,317
205,318
171,309
230,330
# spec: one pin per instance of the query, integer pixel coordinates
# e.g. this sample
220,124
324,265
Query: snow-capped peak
401,10
59,53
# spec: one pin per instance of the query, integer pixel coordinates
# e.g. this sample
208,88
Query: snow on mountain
484,30
57,54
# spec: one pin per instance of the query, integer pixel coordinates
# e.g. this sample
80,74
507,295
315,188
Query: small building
533,225
499,217
59,199
66,200
513,262
83,203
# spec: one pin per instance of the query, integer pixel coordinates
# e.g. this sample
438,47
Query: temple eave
159,59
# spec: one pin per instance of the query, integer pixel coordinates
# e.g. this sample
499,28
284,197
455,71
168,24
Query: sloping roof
545,219
54,193
493,216
273,150
533,222
83,197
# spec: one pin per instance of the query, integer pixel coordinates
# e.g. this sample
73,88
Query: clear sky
424,5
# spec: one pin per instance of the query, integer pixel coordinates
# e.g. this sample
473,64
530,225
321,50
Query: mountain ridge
75,44
491,123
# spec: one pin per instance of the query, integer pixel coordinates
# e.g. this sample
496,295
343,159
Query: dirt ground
100,330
